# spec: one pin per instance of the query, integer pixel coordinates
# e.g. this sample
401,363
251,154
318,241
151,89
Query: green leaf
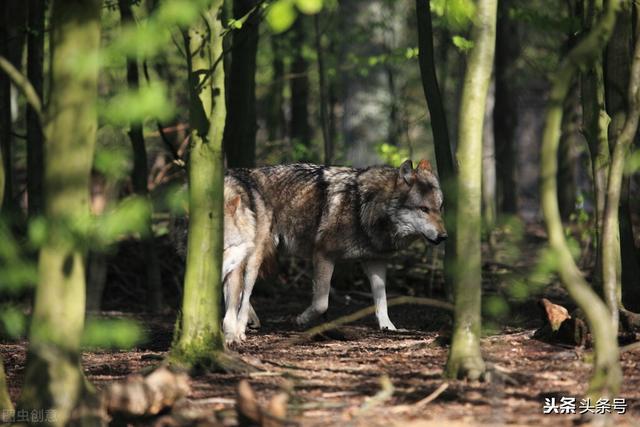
135,106
112,333
12,321
462,43
280,15
130,216
309,7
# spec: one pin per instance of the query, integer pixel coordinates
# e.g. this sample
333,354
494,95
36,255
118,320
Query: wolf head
420,203
239,228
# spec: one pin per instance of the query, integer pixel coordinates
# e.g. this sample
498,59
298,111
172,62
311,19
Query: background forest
528,111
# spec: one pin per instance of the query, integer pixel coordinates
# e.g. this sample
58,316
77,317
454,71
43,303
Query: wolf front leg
322,272
377,273
232,292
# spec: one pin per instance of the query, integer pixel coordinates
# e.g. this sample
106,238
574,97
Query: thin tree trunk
439,127
324,115
35,147
199,338
607,375
139,178
299,86
5,399
566,154
489,191
276,122
617,71
595,129
612,269
53,360
505,113
240,128
465,359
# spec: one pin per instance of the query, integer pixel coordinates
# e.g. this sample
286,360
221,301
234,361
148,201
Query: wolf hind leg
254,320
246,310
377,273
232,293
322,272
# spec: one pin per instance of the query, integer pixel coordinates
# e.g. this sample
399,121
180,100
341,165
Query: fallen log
146,396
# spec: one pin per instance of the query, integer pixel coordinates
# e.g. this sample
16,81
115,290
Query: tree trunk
607,375
35,147
465,359
199,339
5,399
53,360
613,233
299,86
595,124
622,251
567,187
489,191
276,122
240,127
439,127
139,177
505,113
324,115
12,37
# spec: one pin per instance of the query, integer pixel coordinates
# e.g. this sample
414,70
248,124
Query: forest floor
336,379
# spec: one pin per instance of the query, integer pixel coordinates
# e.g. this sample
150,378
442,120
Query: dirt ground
336,379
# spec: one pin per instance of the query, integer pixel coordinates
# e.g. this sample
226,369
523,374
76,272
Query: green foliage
457,14
16,270
392,155
112,333
281,14
135,106
632,163
13,322
463,44
129,216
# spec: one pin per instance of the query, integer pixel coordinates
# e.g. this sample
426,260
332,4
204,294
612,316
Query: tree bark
622,251
489,190
199,339
607,375
439,127
139,178
595,124
276,122
53,360
12,37
299,86
505,112
324,115
35,146
241,126
465,359
612,233
567,187
5,399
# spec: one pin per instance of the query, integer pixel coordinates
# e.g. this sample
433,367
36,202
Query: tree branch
23,84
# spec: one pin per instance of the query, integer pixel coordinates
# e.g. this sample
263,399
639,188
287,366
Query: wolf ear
406,172
425,165
232,205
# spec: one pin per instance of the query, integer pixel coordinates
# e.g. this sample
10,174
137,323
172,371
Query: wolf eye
424,209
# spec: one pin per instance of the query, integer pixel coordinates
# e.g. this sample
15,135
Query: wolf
328,214
241,243
247,244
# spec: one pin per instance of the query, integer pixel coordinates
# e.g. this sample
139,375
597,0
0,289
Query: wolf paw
387,326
